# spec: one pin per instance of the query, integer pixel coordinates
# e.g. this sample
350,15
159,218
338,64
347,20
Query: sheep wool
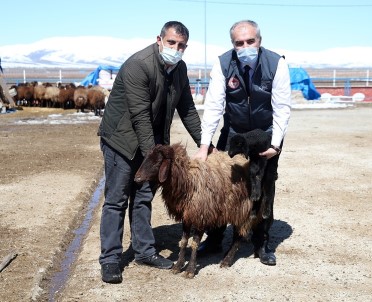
200,194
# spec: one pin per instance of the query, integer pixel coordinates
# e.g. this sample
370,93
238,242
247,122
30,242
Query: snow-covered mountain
90,51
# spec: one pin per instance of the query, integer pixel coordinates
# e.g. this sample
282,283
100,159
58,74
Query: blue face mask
170,56
248,55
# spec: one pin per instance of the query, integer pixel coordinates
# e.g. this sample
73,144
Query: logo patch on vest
233,83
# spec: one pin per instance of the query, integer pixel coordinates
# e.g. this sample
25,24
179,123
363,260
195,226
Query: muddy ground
51,165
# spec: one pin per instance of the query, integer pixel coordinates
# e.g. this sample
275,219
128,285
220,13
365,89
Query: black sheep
251,144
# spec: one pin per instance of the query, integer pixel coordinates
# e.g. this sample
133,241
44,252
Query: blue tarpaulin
92,78
300,80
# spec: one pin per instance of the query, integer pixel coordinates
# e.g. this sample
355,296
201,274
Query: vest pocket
236,95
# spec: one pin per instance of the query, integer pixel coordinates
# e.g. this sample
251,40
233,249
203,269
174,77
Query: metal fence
341,77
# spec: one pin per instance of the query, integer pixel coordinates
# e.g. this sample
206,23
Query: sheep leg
255,198
268,200
229,257
257,171
183,244
266,210
191,268
268,193
256,188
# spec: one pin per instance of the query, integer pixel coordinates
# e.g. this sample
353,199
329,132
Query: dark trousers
119,189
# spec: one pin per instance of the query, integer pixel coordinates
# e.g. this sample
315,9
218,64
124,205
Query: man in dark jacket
150,85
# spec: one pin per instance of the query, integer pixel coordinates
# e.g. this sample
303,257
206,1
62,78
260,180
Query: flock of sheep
66,96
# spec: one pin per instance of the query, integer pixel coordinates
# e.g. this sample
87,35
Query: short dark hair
178,26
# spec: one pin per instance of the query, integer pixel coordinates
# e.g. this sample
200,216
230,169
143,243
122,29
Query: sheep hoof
175,270
189,275
225,264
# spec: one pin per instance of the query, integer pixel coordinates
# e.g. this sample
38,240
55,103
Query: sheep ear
164,170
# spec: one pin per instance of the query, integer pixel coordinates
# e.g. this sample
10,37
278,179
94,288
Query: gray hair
251,23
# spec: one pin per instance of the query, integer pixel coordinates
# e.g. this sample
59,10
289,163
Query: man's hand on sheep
269,153
204,151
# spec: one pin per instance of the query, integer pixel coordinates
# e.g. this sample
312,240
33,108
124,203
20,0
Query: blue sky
311,25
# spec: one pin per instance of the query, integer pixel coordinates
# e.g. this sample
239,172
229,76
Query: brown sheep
25,94
39,94
66,96
201,194
51,96
96,99
81,98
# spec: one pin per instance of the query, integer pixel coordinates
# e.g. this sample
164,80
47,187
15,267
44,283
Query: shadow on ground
168,237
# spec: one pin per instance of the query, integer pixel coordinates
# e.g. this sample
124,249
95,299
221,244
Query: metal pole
334,78
367,82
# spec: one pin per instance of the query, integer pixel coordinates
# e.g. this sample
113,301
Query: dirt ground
51,166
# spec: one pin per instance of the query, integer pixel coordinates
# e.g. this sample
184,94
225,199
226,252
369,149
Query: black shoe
111,273
209,246
266,256
156,261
